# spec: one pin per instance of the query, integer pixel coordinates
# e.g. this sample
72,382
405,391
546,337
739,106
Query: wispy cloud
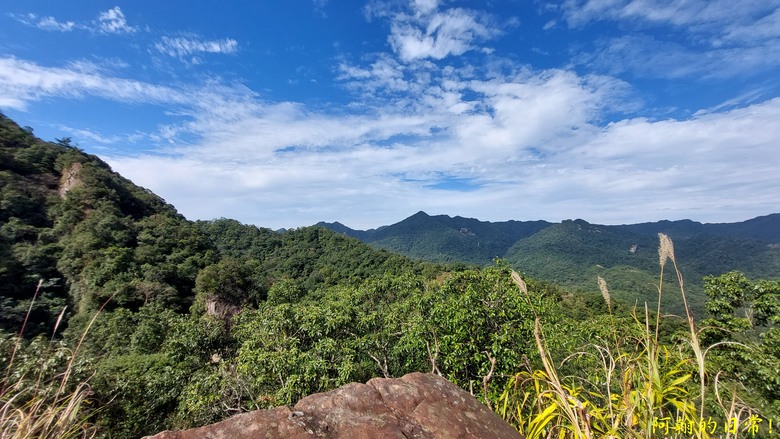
45,23
711,162
185,46
49,23
113,21
525,139
521,139
710,38
22,82
647,56
765,28
695,15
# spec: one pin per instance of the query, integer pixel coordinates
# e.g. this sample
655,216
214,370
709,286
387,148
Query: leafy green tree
747,312
240,241
285,291
230,281
139,393
478,316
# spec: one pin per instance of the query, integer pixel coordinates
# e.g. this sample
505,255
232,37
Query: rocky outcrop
416,406
221,310
69,179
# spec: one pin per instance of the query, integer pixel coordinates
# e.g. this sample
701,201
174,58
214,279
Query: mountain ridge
476,241
574,252
670,227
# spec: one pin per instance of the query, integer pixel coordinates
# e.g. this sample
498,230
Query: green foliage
444,239
748,313
141,401
285,291
89,234
145,361
477,316
36,398
231,281
240,241
631,382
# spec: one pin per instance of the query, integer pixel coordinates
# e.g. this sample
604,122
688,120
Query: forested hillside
574,252
442,238
86,234
121,318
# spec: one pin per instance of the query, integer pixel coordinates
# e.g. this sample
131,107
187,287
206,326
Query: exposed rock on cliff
416,406
70,179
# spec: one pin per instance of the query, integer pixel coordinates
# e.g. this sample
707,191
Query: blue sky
283,113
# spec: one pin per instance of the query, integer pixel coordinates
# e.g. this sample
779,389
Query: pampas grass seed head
519,282
665,249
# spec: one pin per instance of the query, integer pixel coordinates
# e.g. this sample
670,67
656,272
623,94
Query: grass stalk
45,407
655,384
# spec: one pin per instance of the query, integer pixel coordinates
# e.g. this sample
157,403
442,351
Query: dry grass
636,393
44,405
519,282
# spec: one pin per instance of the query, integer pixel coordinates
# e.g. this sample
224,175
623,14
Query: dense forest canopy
574,252
160,322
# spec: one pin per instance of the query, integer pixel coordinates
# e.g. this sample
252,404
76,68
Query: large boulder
418,405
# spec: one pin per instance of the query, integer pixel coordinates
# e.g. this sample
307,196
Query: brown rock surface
416,406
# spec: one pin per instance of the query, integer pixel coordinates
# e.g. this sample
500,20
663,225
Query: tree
65,141
229,281
747,312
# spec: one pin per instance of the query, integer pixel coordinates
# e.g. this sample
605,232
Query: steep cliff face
419,406
70,178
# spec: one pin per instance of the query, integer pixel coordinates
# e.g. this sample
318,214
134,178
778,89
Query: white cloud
422,7
526,140
91,136
531,143
766,28
113,21
182,47
45,23
710,38
22,82
427,32
49,23
695,15
714,167
384,74
715,162
646,56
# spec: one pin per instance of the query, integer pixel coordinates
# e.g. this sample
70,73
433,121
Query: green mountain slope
763,228
85,233
314,256
442,238
574,253
78,241
91,237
